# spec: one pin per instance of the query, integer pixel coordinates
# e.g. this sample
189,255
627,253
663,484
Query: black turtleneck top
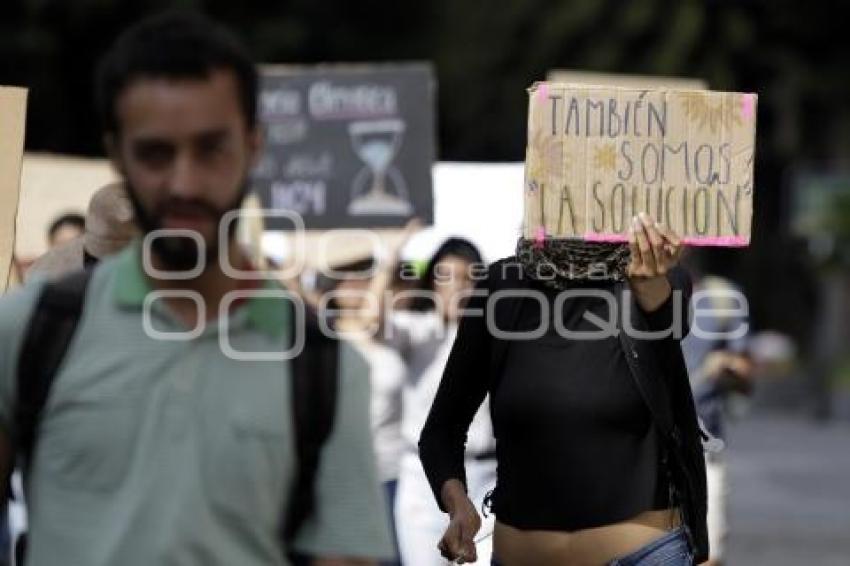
576,444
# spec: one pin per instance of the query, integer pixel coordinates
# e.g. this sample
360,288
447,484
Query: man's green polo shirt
155,451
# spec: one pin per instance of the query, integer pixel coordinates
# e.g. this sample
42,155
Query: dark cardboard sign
347,146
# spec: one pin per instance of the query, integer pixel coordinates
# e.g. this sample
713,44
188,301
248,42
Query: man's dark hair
71,219
175,45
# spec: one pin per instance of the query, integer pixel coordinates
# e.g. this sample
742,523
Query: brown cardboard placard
574,76
13,104
598,155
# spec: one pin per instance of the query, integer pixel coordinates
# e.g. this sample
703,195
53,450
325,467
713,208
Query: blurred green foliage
838,220
486,52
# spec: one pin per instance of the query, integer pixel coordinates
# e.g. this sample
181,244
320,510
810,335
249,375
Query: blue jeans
670,550
389,492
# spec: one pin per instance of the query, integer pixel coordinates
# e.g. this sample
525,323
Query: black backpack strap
50,330
314,399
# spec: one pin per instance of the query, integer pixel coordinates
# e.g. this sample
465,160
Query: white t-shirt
425,341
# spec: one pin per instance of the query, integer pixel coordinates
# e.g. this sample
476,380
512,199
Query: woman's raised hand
655,248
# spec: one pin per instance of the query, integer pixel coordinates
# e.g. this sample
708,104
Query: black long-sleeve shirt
577,447
576,443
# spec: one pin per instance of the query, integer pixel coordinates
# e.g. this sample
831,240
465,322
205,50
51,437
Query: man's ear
110,142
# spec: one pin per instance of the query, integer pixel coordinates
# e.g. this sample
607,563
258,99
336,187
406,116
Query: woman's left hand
655,249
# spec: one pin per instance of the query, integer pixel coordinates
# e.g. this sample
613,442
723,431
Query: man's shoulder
16,308
17,305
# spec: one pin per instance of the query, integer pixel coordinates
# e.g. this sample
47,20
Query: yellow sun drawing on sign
605,157
534,165
700,111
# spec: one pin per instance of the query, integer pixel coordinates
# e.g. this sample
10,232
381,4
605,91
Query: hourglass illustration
378,188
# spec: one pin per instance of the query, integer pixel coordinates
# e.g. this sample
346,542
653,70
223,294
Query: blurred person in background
62,232
406,280
65,228
163,451
423,336
344,307
600,457
109,227
349,297
720,368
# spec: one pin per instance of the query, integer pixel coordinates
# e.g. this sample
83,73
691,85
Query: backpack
314,388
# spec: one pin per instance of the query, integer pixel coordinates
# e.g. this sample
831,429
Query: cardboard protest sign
347,146
598,155
624,80
13,104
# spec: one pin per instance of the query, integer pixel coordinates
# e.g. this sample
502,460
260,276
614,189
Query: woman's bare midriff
588,547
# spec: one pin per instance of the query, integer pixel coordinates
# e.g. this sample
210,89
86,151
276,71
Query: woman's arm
442,443
656,279
461,392
458,542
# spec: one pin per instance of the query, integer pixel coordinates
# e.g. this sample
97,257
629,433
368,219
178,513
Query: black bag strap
314,400
50,330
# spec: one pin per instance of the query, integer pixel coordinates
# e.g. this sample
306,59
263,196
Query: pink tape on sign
722,241
539,237
748,106
543,92
605,238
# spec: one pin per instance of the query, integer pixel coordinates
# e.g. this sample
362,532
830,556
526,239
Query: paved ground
790,501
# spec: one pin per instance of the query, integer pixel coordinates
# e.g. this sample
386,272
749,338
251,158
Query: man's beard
180,253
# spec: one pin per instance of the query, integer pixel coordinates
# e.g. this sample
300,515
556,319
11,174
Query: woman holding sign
598,448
